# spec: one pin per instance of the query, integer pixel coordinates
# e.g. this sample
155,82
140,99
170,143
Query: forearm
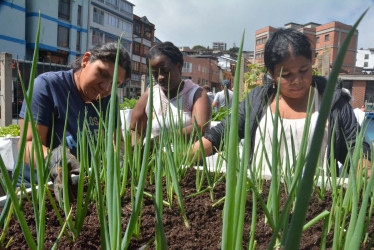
28,150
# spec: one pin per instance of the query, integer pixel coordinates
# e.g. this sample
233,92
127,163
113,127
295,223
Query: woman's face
94,79
165,71
296,77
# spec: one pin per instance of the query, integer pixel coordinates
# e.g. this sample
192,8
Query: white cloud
192,22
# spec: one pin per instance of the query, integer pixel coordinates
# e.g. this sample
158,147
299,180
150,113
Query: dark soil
205,223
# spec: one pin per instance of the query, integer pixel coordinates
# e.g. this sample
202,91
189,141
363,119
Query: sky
202,22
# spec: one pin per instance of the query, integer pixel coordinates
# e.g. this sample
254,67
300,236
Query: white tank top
293,133
161,106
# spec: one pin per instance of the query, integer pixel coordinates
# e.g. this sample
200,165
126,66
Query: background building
219,46
202,70
326,41
365,60
143,40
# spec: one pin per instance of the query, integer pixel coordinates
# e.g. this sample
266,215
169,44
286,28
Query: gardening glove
55,167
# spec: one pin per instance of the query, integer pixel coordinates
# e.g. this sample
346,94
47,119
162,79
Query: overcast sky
202,22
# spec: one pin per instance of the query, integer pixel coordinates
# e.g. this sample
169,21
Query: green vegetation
11,130
128,103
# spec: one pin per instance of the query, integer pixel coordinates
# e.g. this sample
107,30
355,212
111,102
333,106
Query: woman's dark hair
284,43
107,53
167,49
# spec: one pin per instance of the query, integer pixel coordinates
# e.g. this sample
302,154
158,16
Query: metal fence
24,68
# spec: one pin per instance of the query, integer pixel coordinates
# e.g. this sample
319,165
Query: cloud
188,23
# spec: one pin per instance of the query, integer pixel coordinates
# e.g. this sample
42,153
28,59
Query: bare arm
201,111
139,117
43,132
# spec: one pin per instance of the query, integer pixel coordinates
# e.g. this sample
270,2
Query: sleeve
42,105
216,97
350,128
216,134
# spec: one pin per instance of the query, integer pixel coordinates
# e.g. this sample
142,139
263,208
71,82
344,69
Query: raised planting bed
204,217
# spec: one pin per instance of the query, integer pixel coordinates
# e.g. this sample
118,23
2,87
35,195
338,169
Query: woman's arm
43,132
201,111
139,117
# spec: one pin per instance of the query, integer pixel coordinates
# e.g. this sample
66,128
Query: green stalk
254,222
112,166
304,192
143,172
228,237
17,209
241,188
316,219
161,242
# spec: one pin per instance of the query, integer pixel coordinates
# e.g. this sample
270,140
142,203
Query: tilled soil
205,222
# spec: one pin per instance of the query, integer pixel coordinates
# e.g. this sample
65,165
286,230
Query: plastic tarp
9,151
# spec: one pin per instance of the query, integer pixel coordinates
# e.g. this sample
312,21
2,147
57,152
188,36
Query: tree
234,50
198,47
252,78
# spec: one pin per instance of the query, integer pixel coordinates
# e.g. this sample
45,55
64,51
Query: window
145,49
79,21
110,39
199,68
137,28
147,32
187,67
135,77
126,45
135,66
97,37
78,44
261,40
112,2
112,20
125,26
145,69
64,9
136,48
63,37
366,64
317,39
327,37
366,56
98,16
124,6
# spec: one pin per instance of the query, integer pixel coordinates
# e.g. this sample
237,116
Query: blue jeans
26,178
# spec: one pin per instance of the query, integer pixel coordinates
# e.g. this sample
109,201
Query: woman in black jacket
288,59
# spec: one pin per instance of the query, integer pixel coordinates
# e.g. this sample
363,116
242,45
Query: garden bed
205,222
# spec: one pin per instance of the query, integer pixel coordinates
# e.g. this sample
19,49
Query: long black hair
107,53
284,43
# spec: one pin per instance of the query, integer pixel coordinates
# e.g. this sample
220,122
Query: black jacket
341,111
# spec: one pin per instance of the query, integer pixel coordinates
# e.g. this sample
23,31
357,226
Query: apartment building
63,29
108,20
222,46
202,70
365,60
143,40
326,41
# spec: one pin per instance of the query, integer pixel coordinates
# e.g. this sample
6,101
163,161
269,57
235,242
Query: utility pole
6,89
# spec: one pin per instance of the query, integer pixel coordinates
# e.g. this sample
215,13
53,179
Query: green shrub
12,130
128,103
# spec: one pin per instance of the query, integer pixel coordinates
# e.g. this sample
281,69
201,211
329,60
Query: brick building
202,70
362,90
326,41
143,40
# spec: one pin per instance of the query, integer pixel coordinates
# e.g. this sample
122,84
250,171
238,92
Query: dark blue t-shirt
51,92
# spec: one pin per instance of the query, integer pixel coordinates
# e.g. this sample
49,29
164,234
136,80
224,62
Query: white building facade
365,60
108,20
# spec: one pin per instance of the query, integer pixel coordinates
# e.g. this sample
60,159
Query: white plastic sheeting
9,151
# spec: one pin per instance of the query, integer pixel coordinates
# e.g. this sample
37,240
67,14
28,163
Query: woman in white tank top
172,96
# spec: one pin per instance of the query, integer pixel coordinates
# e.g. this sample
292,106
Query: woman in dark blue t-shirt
89,81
